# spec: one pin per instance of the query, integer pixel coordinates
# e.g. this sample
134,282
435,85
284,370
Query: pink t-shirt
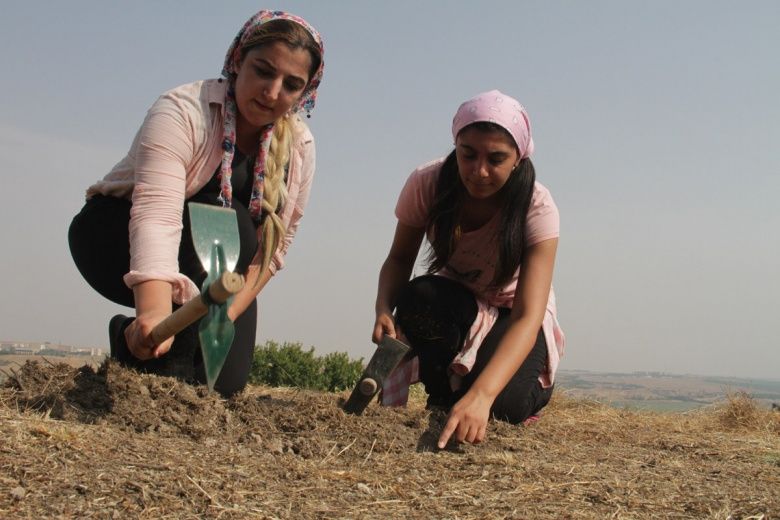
473,263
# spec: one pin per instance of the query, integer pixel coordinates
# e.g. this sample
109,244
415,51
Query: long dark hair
515,199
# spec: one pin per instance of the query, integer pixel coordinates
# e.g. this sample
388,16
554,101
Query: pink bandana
498,108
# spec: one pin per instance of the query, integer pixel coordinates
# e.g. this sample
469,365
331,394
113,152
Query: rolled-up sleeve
165,147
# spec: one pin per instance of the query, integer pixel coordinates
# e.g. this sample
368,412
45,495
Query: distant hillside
660,391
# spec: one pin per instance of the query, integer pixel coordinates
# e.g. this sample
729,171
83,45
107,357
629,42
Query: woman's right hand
139,337
152,305
384,324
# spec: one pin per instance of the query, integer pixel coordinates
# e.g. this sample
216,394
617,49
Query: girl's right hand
139,337
384,324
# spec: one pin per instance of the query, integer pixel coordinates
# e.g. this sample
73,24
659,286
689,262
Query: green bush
339,372
289,365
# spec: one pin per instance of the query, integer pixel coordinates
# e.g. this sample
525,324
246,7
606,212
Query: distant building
47,348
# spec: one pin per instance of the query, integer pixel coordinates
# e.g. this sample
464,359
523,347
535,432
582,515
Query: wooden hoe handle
218,292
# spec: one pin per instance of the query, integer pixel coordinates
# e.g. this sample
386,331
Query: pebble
275,446
18,493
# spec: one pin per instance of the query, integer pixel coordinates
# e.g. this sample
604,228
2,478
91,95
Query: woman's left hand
467,420
253,284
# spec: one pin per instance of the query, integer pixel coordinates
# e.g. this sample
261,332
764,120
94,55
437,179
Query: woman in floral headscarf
482,324
237,142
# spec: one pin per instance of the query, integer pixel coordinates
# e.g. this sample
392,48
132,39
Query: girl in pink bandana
238,142
482,323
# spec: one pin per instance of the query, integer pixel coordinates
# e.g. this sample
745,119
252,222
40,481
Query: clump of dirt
117,396
60,390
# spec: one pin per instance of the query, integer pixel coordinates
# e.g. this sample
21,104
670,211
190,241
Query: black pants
435,314
100,246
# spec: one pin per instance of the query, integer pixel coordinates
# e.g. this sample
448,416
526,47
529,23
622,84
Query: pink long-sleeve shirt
174,154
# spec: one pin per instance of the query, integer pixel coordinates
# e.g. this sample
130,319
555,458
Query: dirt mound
115,396
114,443
124,399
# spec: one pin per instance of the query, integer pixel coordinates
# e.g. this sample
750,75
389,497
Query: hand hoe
386,357
215,237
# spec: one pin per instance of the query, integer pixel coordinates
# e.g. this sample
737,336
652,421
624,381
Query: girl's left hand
384,324
467,420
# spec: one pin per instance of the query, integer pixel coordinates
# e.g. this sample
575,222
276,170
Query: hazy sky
656,127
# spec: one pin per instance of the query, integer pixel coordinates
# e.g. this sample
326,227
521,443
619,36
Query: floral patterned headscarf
230,71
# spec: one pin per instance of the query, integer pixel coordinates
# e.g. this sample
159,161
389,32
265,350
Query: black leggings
100,246
435,314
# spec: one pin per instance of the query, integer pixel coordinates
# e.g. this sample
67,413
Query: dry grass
740,412
115,444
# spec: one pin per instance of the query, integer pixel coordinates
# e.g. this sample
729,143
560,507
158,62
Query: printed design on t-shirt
474,262
470,276
486,257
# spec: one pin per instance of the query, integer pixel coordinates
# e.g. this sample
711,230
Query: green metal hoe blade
217,244
210,225
216,331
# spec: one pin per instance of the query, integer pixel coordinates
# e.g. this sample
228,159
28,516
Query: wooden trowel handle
219,291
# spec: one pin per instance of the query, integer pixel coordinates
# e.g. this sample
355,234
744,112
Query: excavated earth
112,443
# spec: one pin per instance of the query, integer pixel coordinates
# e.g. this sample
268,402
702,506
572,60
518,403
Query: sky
656,127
